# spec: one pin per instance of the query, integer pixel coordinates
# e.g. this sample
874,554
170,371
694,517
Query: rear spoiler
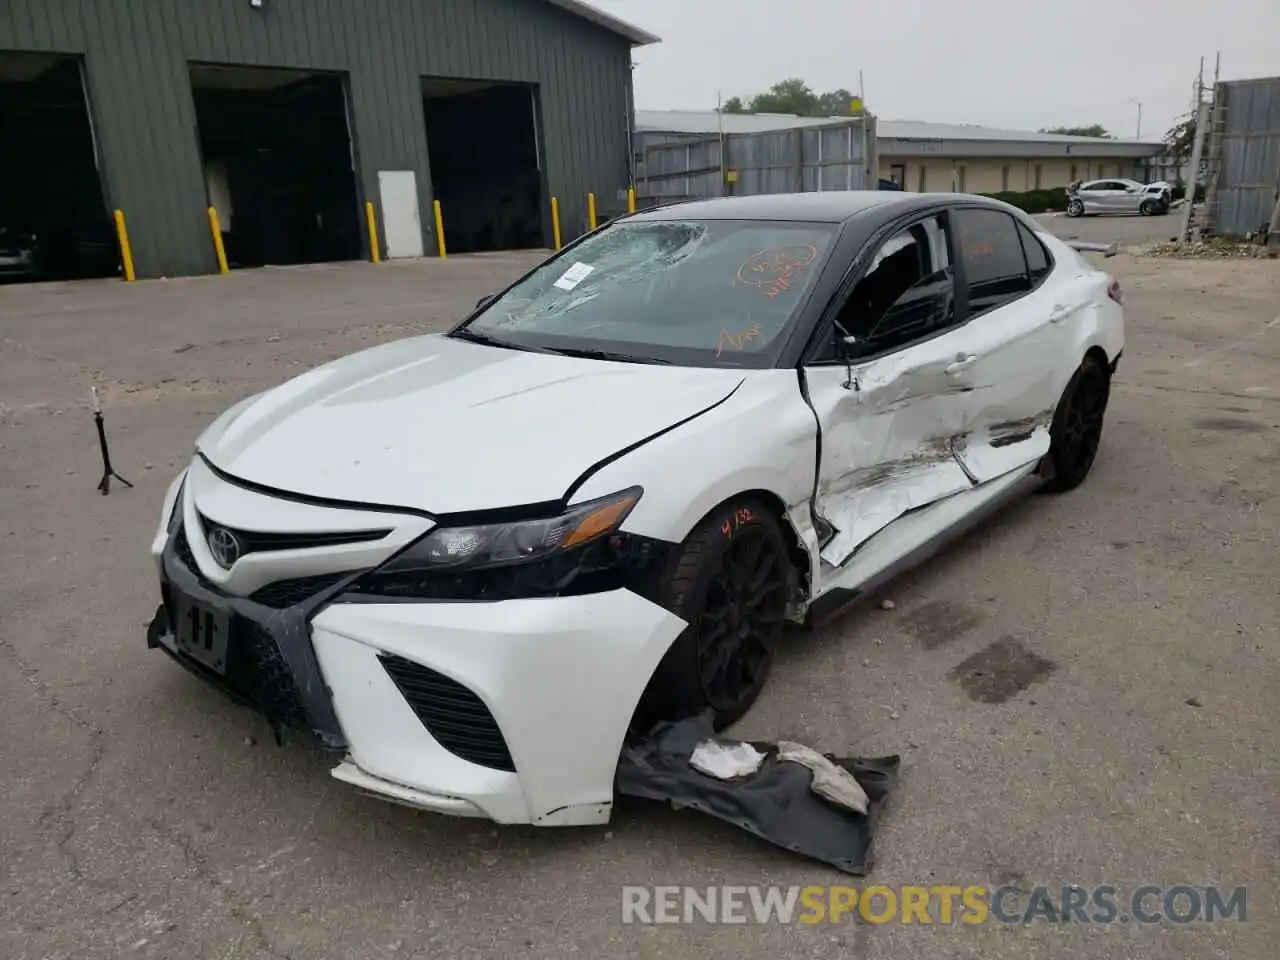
1106,249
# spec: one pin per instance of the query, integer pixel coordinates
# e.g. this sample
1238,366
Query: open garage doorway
486,170
54,223
278,164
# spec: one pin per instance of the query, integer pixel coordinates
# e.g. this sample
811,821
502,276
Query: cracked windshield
671,290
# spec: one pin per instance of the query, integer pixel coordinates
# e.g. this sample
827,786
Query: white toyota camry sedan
473,563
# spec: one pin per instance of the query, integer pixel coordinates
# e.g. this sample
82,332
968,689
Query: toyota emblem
224,546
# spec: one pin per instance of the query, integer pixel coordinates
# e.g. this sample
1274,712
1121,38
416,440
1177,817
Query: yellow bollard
126,251
217,240
435,206
631,199
374,253
591,210
555,221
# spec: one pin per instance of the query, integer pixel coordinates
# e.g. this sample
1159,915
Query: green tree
1093,130
1181,138
786,96
793,96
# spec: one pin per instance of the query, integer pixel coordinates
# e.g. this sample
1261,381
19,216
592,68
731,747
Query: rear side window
992,257
1037,256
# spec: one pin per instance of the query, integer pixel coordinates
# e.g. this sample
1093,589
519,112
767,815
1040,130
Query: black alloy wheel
1077,426
731,581
737,631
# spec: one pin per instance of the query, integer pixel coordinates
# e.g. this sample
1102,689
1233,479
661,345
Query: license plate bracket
202,632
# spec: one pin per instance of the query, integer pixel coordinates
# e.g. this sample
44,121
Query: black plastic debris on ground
775,802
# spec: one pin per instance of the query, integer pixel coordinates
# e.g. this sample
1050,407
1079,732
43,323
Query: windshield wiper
473,336
605,355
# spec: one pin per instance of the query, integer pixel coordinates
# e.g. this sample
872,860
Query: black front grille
452,714
287,593
257,671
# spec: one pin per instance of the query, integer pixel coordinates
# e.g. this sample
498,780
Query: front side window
692,292
993,261
905,295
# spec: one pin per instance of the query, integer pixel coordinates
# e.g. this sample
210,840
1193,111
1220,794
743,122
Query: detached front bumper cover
776,803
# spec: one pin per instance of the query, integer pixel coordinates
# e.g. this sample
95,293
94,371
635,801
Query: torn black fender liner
775,803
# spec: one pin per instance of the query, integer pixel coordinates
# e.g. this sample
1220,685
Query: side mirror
484,301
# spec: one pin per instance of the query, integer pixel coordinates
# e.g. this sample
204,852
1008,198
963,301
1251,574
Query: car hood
444,426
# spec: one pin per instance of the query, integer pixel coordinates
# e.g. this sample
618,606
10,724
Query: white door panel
1010,402
1017,337
887,440
401,222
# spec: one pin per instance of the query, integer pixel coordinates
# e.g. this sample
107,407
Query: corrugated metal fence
839,156
1249,171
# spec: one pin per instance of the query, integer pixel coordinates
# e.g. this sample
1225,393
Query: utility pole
1201,114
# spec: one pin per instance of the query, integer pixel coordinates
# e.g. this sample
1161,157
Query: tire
1076,432
1075,208
733,631
1147,208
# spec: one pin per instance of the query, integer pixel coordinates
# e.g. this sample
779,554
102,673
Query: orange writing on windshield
774,271
738,340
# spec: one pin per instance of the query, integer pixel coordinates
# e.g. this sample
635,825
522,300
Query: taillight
1114,291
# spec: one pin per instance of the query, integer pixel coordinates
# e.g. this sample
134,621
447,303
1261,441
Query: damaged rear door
1018,322
883,385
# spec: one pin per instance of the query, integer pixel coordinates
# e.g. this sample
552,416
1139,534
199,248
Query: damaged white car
472,562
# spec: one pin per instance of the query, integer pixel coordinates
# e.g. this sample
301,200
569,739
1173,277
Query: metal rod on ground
126,251
374,253
555,221
439,216
218,249
591,210
104,485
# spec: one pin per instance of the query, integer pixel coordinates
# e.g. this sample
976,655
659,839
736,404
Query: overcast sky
1022,64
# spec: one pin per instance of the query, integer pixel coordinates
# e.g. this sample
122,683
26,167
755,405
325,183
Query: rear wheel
731,581
1077,425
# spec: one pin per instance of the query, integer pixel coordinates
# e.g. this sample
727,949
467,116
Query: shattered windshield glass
681,291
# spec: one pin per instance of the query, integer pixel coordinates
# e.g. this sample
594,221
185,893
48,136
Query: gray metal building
289,115
1243,156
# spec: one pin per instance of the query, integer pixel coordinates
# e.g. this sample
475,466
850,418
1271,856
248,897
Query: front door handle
960,363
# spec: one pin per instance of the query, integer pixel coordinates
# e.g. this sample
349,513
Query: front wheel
731,581
1074,208
1076,432
1148,208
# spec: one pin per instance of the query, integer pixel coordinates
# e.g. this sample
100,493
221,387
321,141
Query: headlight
527,558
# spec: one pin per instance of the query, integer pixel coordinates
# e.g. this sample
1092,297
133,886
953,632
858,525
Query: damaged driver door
886,389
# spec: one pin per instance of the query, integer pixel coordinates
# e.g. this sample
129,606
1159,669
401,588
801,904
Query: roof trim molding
638,37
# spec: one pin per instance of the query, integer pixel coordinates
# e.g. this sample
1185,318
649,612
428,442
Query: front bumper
515,711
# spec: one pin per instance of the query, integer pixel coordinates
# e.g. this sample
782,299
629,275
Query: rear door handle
960,363
1061,311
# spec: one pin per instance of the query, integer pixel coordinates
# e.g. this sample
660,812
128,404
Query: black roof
826,207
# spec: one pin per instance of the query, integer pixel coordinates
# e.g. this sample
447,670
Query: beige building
933,157
924,157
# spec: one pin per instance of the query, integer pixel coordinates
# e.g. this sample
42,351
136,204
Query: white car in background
473,563
1119,196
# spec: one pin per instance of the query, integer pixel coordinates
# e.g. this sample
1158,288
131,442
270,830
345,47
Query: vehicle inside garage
54,224
278,164
482,144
